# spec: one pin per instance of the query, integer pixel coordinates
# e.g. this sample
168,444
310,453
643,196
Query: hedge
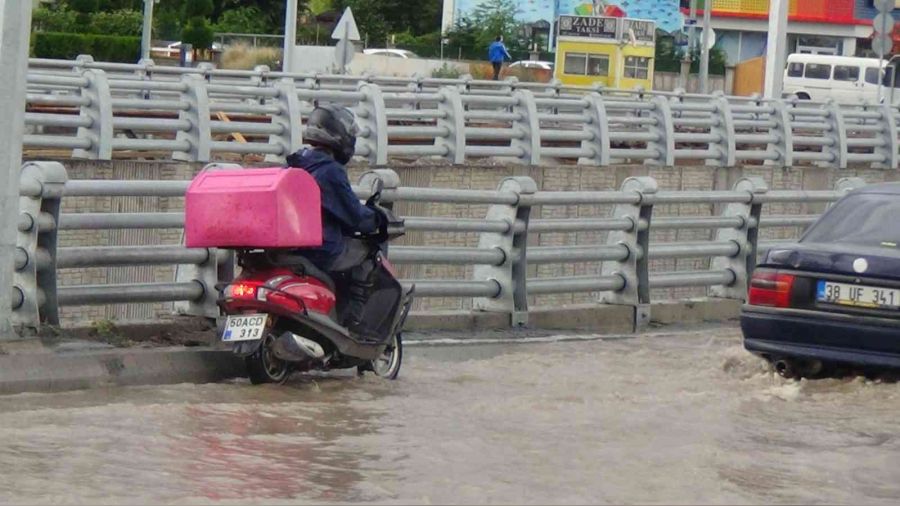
67,46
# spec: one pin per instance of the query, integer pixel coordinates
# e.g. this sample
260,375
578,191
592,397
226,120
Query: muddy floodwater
670,418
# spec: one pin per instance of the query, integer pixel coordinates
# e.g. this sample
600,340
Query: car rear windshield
863,219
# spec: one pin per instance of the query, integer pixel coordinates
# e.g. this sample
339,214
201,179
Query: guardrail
502,270
102,110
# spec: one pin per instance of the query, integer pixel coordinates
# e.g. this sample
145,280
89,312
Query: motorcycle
283,313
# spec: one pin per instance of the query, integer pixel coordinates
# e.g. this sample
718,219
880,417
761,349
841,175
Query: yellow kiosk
613,52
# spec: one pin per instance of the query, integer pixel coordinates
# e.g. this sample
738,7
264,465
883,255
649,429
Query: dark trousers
497,66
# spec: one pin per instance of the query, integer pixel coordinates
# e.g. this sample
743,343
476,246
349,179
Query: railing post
889,134
199,135
845,185
42,186
784,144
146,74
453,118
372,115
512,273
291,137
100,112
635,268
665,129
838,135
530,127
598,126
725,130
746,237
389,178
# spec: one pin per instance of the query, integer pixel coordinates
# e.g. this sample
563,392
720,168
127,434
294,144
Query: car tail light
771,288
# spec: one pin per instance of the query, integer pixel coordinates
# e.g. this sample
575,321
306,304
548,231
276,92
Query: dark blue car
833,297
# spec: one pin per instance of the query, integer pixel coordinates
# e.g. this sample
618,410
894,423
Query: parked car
392,53
834,296
844,79
532,64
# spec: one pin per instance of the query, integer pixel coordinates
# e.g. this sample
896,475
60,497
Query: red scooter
283,312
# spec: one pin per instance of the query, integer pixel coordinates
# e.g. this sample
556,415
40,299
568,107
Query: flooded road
673,418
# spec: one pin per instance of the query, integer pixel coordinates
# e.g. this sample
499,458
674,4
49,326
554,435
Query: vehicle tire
387,366
264,367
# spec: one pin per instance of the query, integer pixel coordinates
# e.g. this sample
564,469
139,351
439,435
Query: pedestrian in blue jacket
496,54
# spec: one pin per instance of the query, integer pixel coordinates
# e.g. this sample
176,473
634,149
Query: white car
392,53
532,64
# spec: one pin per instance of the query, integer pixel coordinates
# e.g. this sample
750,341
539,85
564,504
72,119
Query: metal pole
706,43
290,35
147,31
776,50
15,24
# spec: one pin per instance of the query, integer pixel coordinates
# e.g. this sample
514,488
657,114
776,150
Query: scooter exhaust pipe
293,348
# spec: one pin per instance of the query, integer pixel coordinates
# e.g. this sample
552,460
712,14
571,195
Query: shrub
198,33
446,72
59,19
102,47
241,57
121,22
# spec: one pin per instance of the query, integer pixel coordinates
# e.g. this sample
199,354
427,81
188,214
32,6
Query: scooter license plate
248,327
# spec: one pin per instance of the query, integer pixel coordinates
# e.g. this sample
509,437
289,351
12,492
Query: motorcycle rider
331,132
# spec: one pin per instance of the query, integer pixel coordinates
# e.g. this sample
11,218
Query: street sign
883,23
885,5
882,44
346,27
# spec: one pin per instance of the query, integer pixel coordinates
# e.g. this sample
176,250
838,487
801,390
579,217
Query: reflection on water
687,419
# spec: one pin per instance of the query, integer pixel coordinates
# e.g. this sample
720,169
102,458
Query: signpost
883,38
346,33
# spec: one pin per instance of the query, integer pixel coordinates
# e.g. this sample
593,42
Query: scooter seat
301,264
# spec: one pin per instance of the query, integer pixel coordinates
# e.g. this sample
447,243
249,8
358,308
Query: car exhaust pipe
786,368
293,348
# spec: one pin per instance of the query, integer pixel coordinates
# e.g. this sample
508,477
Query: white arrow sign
346,27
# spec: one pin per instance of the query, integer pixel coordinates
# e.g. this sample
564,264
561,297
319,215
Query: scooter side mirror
377,188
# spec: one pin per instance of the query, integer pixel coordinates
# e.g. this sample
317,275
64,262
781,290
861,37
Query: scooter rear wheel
264,367
387,366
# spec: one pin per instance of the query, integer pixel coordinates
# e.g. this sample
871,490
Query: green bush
427,45
198,33
102,47
58,19
121,22
446,72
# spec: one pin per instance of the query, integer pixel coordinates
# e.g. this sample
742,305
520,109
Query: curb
57,372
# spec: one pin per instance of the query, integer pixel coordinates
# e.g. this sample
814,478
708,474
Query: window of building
818,71
575,63
795,70
637,67
846,73
598,65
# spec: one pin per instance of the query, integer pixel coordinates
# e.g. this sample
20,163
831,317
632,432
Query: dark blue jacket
342,213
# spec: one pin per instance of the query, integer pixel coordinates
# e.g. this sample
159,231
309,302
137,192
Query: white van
845,79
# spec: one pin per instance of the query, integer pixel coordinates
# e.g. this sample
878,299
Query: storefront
607,51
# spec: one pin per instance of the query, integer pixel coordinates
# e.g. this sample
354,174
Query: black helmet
333,127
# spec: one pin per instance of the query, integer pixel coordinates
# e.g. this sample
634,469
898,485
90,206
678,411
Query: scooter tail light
771,288
243,291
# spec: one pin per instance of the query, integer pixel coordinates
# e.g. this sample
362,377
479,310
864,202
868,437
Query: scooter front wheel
264,367
388,364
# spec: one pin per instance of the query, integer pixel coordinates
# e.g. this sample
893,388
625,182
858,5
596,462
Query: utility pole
147,32
691,33
776,50
15,30
290,35
706,43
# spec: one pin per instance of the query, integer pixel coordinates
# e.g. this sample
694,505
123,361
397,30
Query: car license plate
857,295
245,327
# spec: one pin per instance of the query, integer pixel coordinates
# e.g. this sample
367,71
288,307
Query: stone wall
568,177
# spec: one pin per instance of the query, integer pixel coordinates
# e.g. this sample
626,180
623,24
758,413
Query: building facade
838,27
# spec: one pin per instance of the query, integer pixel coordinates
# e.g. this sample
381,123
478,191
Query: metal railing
502,270
102,110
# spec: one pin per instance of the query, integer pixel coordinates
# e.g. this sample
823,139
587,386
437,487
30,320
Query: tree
198,33
242,20
198,9
377,19
121,22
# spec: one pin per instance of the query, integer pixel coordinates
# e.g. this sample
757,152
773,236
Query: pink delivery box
253,208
